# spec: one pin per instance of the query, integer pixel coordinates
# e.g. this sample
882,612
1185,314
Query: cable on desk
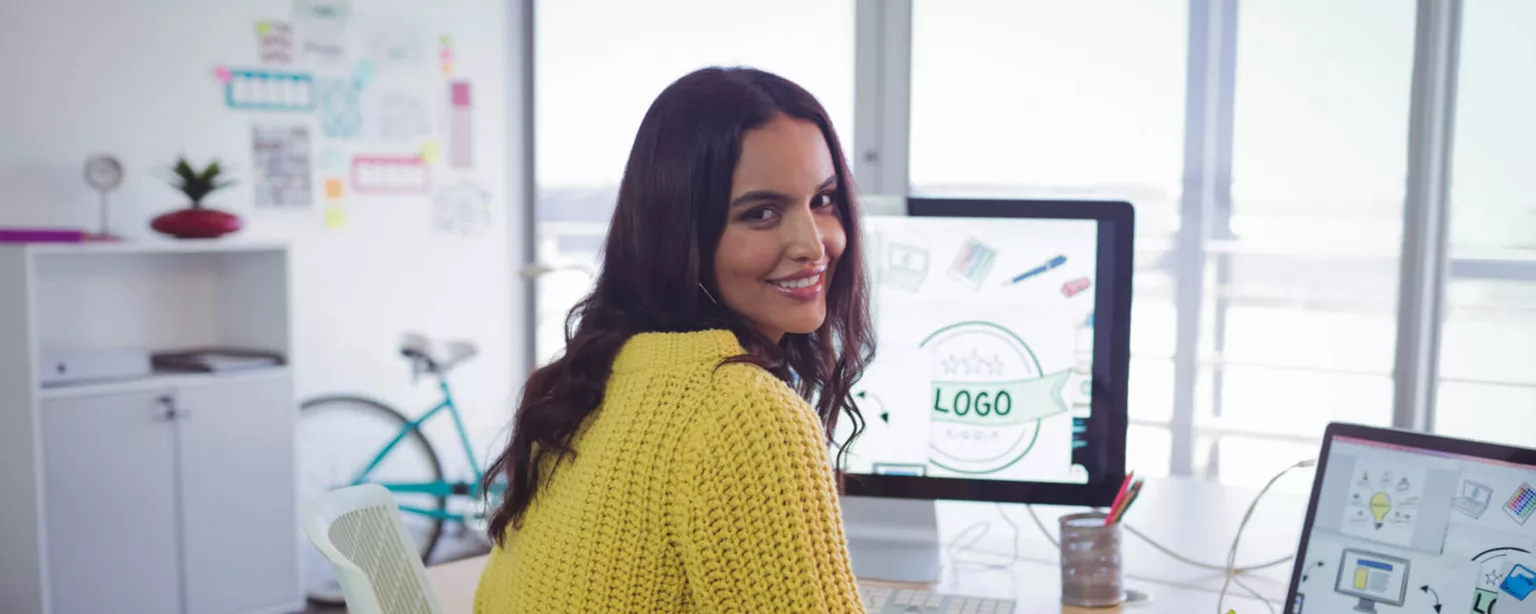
986,527
1232,553
1230,570
1164,549
1256,595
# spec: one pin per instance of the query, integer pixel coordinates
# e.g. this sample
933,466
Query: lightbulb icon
1380,505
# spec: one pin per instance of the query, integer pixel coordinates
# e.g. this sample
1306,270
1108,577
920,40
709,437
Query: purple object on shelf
40,235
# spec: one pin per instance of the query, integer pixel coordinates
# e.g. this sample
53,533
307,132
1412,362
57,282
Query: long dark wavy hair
657,261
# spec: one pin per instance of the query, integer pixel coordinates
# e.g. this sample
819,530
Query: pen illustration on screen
1046,266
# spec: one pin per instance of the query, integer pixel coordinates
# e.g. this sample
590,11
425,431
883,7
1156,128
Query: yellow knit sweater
692,490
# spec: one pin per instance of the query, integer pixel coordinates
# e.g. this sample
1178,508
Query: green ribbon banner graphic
1005,403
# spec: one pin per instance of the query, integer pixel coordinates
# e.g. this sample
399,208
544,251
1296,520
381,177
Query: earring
706,293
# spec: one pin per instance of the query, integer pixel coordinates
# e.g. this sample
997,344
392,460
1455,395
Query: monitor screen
1373,576
1394,525
985,360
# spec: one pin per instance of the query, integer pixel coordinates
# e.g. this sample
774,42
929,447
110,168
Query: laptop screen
1397,528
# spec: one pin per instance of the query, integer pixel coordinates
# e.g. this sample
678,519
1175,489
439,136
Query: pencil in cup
1117,514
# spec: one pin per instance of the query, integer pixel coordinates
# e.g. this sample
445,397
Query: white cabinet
111,497
171,499
237,494
167,494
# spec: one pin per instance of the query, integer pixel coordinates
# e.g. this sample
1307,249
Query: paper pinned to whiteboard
320,29
397,102
281,157
396,44
274,42
397,113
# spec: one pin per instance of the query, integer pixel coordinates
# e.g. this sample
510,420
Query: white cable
1232,553
1222,568
986,527
1164,549
1256,595
1230,570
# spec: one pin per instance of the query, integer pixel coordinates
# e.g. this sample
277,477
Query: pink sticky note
223,74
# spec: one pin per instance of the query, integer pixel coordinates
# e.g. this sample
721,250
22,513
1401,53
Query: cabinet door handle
167,409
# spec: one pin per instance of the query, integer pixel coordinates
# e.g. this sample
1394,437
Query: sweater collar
664,350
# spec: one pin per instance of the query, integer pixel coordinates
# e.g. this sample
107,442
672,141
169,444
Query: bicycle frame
438,488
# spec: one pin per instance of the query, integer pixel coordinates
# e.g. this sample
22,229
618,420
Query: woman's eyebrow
757,195
760,195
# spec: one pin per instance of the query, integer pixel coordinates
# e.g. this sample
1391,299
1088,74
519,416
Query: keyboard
886,600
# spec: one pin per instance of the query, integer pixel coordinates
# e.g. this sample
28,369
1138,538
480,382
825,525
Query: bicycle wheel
338,436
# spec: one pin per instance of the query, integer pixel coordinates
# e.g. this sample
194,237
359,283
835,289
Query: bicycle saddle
437,356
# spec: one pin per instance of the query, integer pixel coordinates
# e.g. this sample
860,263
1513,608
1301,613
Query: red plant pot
196,223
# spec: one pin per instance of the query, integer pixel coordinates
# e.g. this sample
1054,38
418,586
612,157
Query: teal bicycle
346,440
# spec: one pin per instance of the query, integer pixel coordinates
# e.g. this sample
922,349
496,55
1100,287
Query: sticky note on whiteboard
333,188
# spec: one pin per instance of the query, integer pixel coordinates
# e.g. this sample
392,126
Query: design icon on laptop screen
1474,499
1483,601
1522,504
1520,582
1372,578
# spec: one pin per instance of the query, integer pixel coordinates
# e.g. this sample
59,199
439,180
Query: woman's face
783,235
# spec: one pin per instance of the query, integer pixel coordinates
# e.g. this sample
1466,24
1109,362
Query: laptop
1406,522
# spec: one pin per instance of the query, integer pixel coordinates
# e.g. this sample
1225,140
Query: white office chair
359,531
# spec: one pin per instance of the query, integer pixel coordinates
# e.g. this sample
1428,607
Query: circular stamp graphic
989,395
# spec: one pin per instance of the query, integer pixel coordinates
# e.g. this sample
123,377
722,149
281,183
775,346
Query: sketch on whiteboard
320,30
340,110
280,155
462,209
397,114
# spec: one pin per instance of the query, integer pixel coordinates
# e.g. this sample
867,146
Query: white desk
1196,519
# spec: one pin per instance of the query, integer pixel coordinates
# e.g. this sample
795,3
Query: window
600,63
1288,120
1298,253
1487,387
1045,99
1301,272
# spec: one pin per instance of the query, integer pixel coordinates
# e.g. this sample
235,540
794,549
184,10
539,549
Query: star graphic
951,364
995,366
973,363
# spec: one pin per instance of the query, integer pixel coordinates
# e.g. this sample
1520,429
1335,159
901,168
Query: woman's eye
759,214
824,199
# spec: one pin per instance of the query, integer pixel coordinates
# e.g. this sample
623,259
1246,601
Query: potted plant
196,221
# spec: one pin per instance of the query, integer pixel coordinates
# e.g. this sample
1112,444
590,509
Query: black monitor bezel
1396,437
1111,359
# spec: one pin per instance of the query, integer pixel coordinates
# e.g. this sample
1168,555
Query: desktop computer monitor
1000,372
1372,578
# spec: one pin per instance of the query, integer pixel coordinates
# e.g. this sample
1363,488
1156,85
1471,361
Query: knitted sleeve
760,528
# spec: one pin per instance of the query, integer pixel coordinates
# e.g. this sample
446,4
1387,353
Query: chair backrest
359,531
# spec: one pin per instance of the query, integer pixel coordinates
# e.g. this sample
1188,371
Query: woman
665,462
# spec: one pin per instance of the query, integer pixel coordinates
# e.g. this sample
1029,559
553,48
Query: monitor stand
1366,605
892,539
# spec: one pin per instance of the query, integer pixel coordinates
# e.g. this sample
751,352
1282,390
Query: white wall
135,78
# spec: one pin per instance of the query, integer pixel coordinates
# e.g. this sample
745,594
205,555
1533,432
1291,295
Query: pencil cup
1090,561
